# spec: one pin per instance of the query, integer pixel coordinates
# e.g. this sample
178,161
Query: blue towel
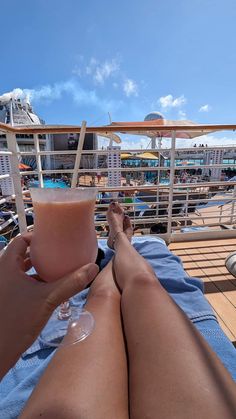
187,292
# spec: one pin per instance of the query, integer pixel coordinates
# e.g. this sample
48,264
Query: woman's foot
118,223
115,218
127,227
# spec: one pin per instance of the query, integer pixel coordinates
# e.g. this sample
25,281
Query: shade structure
111,136
145,156
124,127
141,128
126,156
148,156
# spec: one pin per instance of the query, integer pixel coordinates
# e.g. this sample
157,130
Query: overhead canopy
148,156
111,136
161,128
142,128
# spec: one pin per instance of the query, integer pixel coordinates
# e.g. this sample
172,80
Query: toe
115,206
128,229
127,222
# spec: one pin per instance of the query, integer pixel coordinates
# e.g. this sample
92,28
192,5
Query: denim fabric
187,292
218,341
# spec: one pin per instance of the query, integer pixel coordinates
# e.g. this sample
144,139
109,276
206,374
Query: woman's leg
173,373
89,379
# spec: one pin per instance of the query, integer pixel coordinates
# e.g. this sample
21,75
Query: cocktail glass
64,239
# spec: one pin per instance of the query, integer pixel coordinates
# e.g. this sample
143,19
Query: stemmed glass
64,239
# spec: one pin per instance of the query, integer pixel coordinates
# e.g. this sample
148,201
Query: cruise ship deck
199,215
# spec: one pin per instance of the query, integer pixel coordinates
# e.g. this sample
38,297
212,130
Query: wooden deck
206,260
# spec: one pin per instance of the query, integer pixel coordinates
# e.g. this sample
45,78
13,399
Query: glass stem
64,311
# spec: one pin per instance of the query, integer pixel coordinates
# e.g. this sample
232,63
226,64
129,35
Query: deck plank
225,329
224,309
206,260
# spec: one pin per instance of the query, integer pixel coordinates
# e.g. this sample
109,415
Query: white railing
175,211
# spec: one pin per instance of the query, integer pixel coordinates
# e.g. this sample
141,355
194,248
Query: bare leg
173,373
89,379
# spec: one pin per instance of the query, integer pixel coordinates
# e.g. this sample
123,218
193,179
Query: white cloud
130,88
100,72
56,91
205,108
14,94
128,142
105,70
170,102
135,143
90,68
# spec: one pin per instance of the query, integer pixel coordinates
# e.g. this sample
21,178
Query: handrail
60,129
129,169
131,150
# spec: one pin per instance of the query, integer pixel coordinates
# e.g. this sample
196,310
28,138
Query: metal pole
38,160
171,186
16,178
78,154
220,216
111,137
153,143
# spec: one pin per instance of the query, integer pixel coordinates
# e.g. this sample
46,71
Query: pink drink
64,236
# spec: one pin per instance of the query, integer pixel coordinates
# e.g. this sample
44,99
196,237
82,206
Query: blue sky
80,60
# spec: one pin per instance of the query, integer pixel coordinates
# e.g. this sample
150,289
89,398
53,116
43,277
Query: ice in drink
64,236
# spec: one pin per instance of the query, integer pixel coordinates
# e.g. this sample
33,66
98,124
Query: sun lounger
187,292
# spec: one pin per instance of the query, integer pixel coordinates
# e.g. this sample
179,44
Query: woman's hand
26,303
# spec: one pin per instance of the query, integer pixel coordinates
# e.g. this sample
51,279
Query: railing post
38,160
78,155
186,208
220,216
16,178
233,205
158,185
171,186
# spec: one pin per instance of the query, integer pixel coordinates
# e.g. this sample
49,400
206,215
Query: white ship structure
16,112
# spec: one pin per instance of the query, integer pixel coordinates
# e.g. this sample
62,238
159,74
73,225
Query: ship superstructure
18,112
